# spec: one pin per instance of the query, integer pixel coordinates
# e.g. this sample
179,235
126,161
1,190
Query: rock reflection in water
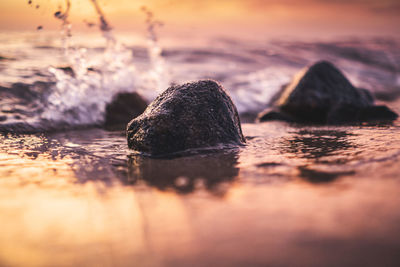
328,148
184,175
317,176
315,144
89,158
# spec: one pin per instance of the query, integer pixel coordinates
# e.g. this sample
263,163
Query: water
295,195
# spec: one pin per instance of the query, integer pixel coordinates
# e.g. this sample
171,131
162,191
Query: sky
275,17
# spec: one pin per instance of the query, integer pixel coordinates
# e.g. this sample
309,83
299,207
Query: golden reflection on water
91,224
50,217
86,225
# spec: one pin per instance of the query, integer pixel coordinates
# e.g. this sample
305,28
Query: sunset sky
276,17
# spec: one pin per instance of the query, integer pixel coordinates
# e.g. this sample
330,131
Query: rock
377,113
343,114
274,115
196,115
322,94
122,109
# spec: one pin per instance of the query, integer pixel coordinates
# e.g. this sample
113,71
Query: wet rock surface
190,116
321,94
122,109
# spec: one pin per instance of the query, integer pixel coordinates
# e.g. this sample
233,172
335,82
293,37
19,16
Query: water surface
295,195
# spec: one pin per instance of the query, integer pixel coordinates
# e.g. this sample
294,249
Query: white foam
81,98
258,88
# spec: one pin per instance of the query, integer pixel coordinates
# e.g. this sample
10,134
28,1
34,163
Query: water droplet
57,14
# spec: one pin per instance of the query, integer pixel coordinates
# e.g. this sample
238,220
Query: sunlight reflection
75,198
86,225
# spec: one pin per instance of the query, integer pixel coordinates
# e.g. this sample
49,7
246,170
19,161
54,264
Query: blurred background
308,18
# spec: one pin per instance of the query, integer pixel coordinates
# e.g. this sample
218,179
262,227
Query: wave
76,93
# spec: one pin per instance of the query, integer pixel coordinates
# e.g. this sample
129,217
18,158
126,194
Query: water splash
104,25
66,25
80,97
254,90
158,72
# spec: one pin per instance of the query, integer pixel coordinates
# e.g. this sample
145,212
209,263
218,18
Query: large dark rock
122,109
322,94
191,116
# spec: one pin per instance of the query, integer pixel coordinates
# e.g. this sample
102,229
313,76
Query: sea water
295,195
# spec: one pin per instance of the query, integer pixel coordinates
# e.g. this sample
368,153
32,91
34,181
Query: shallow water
295,195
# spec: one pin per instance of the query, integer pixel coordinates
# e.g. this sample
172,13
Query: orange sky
277,17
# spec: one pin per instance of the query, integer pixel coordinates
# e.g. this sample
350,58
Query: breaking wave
82,90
